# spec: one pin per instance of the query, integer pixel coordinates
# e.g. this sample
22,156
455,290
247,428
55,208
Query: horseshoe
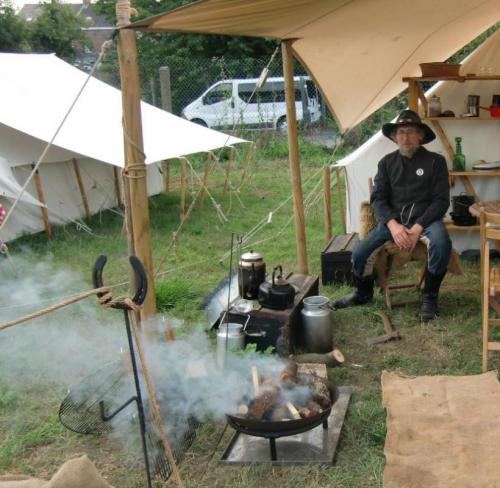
140,279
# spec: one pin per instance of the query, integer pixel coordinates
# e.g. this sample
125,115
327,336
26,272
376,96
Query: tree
57,29
13,31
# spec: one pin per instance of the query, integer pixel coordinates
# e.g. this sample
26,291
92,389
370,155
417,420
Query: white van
227,103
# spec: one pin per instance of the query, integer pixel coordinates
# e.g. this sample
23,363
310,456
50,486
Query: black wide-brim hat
406,118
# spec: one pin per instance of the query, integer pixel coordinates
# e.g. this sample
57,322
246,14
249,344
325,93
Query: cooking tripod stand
138,299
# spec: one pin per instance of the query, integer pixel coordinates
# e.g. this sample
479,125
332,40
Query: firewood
280,413
313,407
291,407
262,404
321,394
289,373
330,359
242,410
255,380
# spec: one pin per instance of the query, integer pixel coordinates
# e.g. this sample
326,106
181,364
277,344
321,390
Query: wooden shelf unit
415,94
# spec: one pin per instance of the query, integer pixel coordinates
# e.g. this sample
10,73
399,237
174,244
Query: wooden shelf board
474,173
462,228
444,119
452,78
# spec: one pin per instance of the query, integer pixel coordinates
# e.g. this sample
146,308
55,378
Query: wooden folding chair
490,282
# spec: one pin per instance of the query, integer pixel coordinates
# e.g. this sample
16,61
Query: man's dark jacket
411,190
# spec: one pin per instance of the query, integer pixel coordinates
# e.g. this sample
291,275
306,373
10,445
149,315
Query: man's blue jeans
435,236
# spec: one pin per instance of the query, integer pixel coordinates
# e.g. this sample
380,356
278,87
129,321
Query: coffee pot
251,273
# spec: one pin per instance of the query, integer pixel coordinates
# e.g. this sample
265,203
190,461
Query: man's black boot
362,293
430,292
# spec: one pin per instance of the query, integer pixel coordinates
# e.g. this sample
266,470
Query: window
218,93
267,94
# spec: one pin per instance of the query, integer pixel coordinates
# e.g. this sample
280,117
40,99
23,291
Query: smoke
61,347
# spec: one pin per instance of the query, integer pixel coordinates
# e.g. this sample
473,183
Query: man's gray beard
408,153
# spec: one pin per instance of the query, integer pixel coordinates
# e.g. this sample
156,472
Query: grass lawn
40,360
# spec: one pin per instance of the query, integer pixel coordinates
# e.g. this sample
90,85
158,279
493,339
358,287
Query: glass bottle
459,159
434,107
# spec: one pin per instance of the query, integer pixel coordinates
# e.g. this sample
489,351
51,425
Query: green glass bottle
459,159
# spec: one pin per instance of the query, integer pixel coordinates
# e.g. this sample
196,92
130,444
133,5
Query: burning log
310,410
321,394
255,380
295,413
289,374
280,413
263,404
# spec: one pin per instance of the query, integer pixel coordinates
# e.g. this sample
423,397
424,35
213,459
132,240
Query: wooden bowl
439,69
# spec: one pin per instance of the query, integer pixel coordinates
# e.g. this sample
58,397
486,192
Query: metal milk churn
251,273
230,337
317,321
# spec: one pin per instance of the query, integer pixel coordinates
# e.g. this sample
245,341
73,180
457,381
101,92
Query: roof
356,50
36,92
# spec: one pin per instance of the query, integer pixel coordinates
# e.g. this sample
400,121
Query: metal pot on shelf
279,294
251,273
460,210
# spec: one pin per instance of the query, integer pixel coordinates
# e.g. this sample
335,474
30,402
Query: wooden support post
413,95
183,190
341,199
166,175
81,187
118,187
293,156
229,165
248,157
165,89
135,168
206,172
327,203
41,198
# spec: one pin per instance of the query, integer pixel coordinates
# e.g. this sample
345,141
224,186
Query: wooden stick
255,380
229,165
183,190
327,204
295,413
118,187
341,199
248,157
203,191
81,187
294,159
166,176
155,409
41,198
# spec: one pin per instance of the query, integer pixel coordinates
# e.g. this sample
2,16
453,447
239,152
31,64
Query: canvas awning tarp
356,50
36,91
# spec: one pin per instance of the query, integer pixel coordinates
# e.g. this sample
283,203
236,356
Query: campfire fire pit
271,414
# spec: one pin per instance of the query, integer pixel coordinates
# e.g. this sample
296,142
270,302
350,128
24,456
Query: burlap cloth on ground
76,473
442,431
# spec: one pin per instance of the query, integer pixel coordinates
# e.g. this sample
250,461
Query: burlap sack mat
442,431
76,473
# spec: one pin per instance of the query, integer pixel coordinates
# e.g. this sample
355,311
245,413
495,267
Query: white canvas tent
480,140
36,91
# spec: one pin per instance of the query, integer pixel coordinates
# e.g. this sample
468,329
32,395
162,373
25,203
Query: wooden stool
490,282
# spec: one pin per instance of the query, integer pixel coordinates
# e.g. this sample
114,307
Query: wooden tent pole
327,203
229,165
41,199
341,200
182,203
248,157
135,168
166,175
293,156
203,190
83,194
118,187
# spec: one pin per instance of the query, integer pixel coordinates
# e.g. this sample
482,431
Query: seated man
410,197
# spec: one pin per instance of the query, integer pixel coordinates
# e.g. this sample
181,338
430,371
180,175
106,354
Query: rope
106,45
155,409
68,301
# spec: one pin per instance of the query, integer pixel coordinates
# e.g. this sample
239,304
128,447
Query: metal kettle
251,273
279,294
